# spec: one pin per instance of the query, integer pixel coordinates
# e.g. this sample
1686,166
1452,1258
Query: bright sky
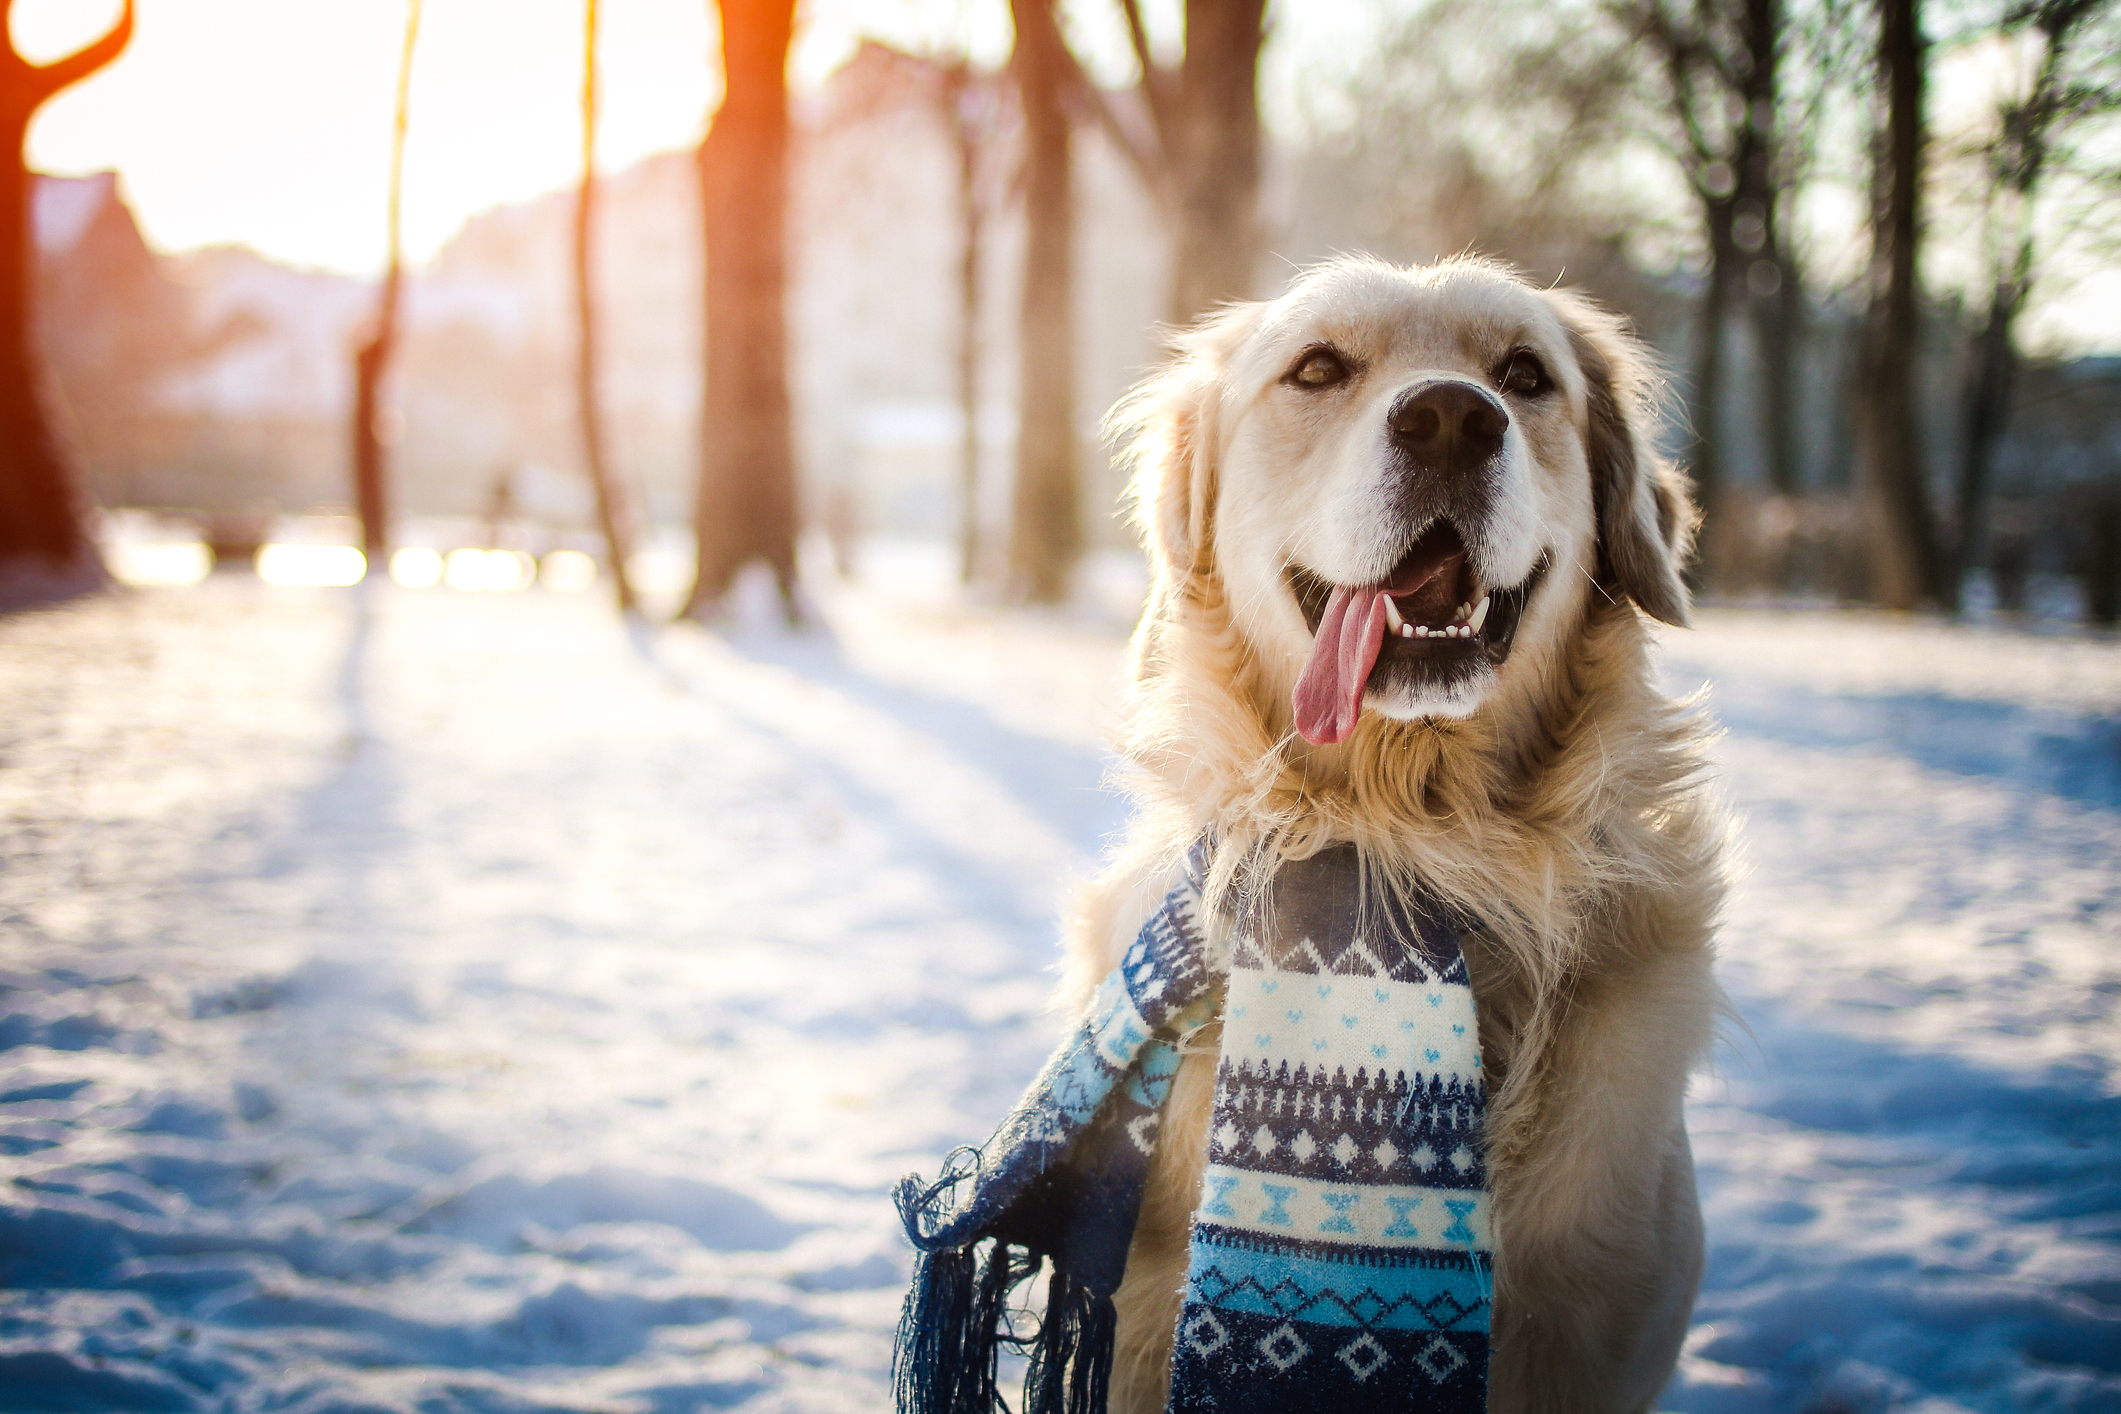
266,122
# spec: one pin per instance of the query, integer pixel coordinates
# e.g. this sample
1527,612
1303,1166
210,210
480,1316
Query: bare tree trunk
1203,166
1721,62
1987,406
959,94
42,526
1905,569
2023,162
612,516
372,359
1776,304
1045,535
1213,146
746,507
1779,315
1705,398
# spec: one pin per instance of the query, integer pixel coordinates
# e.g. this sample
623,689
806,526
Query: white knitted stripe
1347,1214
1423,1028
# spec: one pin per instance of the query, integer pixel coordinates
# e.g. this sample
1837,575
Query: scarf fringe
956,1320
1071,1365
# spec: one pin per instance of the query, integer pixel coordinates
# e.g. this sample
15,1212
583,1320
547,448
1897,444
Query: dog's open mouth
1431,616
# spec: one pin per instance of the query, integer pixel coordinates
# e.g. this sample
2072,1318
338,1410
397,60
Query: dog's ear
1170,426
1646,520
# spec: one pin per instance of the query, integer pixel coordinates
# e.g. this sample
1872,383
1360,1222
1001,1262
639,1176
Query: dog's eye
1318,368
1522,373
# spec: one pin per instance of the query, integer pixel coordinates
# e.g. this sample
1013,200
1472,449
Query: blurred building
113,326
214,381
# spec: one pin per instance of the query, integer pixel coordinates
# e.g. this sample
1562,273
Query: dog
1473,459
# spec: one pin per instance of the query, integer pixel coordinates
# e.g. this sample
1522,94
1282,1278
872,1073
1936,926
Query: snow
424,1001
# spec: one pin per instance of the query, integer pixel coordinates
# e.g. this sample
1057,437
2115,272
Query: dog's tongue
1329,693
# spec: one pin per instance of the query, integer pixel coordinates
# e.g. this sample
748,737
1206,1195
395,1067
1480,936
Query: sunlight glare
489,571
416,567
569,571
181,564
314,566
660,571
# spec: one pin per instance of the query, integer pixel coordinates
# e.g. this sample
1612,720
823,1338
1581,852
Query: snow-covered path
437,1002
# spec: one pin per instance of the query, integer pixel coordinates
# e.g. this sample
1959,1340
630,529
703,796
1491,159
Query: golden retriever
1405,526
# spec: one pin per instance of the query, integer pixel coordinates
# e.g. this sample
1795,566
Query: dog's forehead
1457,313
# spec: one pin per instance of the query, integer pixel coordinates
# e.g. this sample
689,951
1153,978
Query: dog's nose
1449,426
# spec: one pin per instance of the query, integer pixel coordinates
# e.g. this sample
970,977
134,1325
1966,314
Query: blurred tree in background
2076,82
614,515
746,506
1202,159
975,110
1906,567
1199,157
42,532
1716,72
371,466
1045,535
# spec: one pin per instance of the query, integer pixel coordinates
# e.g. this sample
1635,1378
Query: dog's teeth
1480,614
1393,621
1406,630
1458,615
1421,631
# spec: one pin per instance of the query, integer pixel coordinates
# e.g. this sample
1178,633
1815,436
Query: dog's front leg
1597,1222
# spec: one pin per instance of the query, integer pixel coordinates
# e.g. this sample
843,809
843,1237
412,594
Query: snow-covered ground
432,1001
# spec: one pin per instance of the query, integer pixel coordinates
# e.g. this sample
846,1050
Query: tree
746,507
1446,79
972,109
612,517
2018,161
42,531
372,358
1905,566
1204,163
1045,533
1201,165
1719,65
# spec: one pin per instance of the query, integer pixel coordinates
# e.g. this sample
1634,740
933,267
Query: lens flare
313,566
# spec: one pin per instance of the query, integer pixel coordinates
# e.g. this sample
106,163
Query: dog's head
1405,481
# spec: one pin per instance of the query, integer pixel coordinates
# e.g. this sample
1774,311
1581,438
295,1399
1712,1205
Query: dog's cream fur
1558,800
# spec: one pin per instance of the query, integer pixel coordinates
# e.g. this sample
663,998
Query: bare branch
1144,151
1156,81
1138,36
49,79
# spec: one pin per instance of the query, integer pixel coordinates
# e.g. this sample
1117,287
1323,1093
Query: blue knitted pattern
1340,1254
1062,1175
1340,1257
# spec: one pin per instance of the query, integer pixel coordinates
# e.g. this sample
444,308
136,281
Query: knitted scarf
1339,1255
